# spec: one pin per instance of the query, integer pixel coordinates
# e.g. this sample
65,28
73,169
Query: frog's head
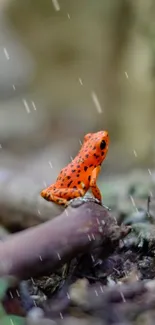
96,144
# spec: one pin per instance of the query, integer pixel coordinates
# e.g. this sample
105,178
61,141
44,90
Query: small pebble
36,313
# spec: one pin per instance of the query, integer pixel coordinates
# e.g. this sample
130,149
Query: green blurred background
70,67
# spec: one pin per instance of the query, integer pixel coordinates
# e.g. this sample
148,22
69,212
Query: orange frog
81,174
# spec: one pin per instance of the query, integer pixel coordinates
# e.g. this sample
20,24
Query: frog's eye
103,145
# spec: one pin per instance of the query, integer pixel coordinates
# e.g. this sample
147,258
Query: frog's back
72,175
80,169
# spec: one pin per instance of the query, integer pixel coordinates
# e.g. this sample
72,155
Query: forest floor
112,283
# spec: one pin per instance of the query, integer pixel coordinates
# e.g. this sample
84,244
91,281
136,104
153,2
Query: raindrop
18,294
61,316
11,294
50,164
123,298
32,281
151,194
83,184
34,106
80,81
59,256
96,102
98,221
56,5
126,75
6,53
101,288
92,257
132,200
135,153
114,220
26,106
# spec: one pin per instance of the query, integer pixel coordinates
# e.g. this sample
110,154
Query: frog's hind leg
49,196
62,196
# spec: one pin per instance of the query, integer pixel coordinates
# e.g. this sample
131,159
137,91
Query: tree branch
42,249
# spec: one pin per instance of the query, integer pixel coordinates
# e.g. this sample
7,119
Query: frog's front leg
95,190
62,196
